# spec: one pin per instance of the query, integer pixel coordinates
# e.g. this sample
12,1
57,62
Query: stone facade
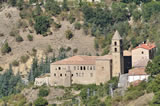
142,54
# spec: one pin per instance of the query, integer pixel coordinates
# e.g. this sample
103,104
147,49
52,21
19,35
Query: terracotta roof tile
137,71
147,46
81,60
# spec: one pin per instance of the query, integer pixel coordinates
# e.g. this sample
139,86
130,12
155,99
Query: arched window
115,49
84,68
90,67
61,75
115,43
54,74
74,67
59,68
81,68
142,52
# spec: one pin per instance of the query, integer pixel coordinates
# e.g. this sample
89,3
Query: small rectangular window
115,49
61,75
54,74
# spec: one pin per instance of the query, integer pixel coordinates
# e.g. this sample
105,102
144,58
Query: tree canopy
42,23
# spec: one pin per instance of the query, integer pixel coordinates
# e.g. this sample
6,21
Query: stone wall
103,71
138,55
79,74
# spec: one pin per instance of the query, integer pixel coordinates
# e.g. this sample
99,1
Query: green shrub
43,92
15,63
19,38
131,95
68,49
24,58
75,50
42,23
21,102
1,69
40,102
30,37
77,26
69,34
57,25
52,7
5,48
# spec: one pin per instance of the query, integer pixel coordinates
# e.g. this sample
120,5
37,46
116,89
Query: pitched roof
88,60
116,36
137,71
147,46
81,60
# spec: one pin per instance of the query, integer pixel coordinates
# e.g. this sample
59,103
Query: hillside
83,43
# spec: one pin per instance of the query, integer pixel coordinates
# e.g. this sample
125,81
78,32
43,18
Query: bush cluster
1,69
40,102
19,38
5,48
44,91
69,34
77,26
30,37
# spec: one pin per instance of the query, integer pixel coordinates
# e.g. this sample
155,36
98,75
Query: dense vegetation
99,20
10,83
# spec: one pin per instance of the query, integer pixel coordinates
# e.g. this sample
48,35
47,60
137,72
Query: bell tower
117,55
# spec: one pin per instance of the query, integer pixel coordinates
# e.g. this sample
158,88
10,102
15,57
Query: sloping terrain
10,19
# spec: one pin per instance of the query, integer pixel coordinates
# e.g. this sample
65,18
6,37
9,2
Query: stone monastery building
87,69
94,69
